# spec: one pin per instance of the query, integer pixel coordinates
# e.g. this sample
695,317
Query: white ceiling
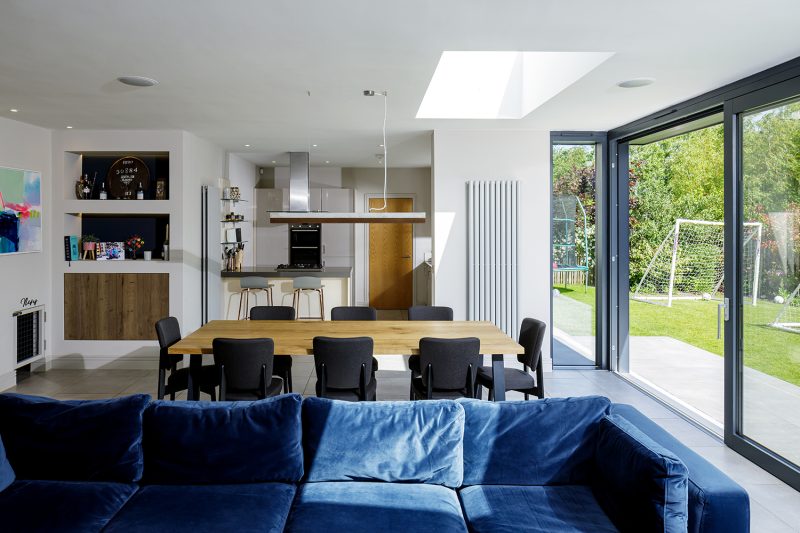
237,72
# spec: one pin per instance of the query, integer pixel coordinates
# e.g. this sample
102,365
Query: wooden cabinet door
391,262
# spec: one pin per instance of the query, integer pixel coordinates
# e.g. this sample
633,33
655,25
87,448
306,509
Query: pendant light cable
385,95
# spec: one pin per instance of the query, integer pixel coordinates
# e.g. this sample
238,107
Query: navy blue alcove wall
157,164
151,228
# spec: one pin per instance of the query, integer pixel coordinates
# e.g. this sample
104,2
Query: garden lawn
766,349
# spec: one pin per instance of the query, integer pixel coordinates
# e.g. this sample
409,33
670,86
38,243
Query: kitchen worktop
271,271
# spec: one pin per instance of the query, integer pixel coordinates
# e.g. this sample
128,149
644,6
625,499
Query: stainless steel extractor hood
299,203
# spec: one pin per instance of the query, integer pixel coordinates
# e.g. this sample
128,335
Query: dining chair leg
526,396
295,304
321,305
287,381
269,296
162,377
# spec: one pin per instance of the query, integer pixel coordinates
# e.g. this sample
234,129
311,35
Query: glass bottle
140,192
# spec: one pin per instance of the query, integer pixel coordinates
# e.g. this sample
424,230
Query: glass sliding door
676,266
573,254
765,409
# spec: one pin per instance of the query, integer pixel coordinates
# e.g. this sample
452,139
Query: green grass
766,349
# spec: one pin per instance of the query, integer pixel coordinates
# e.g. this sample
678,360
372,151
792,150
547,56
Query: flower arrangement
134,244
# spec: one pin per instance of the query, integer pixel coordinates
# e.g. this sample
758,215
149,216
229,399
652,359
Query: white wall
317,176
243,174
203,164
403,182
25,275
461,156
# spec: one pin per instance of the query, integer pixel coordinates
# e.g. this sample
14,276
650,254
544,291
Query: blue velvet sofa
288,464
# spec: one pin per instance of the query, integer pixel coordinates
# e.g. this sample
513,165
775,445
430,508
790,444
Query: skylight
502,84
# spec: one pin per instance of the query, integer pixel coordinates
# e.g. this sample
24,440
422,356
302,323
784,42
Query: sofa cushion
242,508
641,485
415,442
7,475
368,507
223,442
75,440
63,506
565,508
717,504
540,442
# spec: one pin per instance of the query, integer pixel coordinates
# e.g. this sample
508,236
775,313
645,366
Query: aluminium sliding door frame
734,218
766,83
601,273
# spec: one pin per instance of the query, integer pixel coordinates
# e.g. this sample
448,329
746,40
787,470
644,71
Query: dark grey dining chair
245,369
425,312
449,368
531,337
354,312
344,368
282,364
168,331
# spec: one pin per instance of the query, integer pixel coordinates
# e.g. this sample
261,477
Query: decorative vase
148,255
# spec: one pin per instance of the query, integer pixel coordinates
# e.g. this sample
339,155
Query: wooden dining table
390,337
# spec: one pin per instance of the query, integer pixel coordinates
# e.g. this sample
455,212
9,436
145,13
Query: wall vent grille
29,335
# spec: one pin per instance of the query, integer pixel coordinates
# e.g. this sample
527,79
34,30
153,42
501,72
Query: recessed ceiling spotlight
247,146
380,146
274,162
14,110
313,145
327,162
137,81
636,82
69,127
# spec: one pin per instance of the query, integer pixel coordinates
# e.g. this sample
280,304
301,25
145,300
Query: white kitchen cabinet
272,240
337,239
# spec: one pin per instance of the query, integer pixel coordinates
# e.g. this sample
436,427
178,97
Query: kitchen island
335,280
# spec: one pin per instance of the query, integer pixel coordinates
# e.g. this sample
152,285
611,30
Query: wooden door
391,265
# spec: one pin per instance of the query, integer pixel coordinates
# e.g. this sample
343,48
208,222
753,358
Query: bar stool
307,284
254,284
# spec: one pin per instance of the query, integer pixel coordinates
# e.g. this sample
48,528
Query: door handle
405,257
722,310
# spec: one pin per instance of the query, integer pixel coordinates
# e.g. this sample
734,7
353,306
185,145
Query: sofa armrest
640,485
717,504
7,475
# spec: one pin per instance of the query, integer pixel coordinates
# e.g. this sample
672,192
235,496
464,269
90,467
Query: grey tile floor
775,507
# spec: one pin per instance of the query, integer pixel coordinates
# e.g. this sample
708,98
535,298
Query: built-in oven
305,245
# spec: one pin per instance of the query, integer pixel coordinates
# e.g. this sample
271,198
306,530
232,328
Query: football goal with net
689,264
788,318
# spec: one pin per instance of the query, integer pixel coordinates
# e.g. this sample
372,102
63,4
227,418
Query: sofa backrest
223,442
543,442
419,442
75,440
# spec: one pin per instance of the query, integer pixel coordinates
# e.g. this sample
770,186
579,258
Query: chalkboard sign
125,175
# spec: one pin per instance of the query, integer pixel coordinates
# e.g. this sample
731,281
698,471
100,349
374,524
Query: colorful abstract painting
20,211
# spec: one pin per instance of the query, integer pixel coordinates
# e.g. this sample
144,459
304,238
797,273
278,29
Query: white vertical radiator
492,237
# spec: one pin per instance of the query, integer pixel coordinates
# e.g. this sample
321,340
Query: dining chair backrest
452,362
246,362
531,337
168,331
272,312
430,312
354,313
342,359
